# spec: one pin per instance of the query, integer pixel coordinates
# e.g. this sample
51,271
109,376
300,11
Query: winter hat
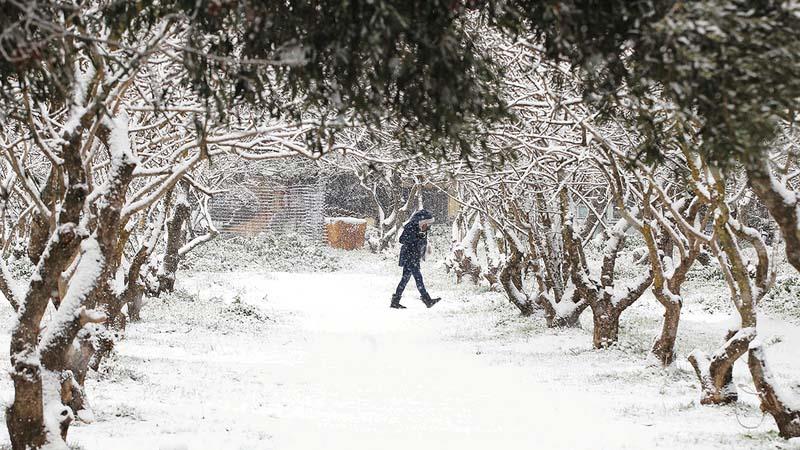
423,216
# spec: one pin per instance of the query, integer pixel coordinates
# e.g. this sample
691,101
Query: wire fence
253,208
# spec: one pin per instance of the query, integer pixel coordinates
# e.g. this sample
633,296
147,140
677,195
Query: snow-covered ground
249,360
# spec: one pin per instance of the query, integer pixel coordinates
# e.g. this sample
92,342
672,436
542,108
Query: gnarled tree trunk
664,346
465,254
565,313
606,305
783,407
494,259
716,372
783,208
511,278
169,265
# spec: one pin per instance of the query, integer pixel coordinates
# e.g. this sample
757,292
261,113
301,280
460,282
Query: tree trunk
24,417
458,255
784,211
40,229
134,290
606,326
39,235
466,254
135,306
494,260
716,373
664,346
562,314
511,280
166,275
93,343
571,320
786,416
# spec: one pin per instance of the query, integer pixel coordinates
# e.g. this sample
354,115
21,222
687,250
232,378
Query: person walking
414,241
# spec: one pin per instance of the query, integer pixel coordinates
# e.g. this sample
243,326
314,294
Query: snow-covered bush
706,273
186,311
784,298
264,252
241,310
117,368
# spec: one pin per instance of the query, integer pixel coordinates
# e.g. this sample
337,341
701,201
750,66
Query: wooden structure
345,232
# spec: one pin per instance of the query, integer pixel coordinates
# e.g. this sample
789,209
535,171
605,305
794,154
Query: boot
430,301
396,302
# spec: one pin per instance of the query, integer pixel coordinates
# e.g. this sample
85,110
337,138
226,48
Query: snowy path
338,369
346,372
376,378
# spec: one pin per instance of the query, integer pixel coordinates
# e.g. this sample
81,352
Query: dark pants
410,270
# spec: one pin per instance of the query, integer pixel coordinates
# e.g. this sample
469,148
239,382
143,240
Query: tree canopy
729,68
368,61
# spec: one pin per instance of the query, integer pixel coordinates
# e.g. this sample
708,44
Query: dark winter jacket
413,239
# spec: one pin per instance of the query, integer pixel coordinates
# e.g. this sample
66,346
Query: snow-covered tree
110,107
